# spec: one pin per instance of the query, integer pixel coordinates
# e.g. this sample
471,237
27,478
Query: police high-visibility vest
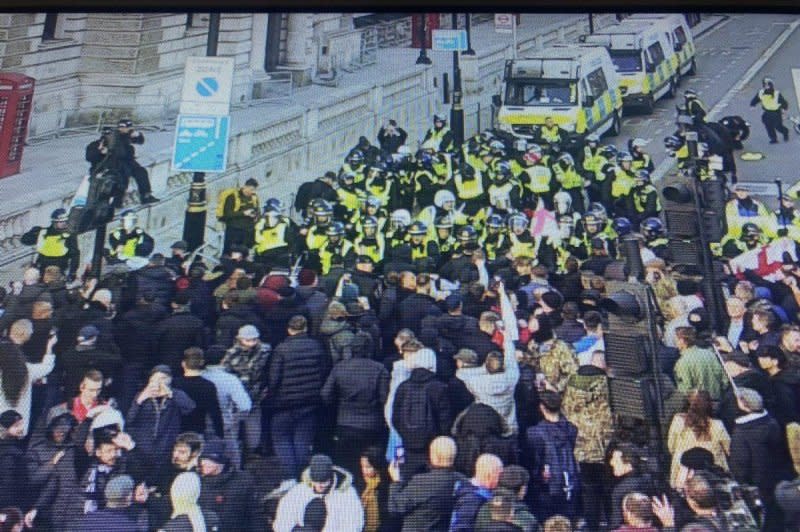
349,198
419,251
315,238
445,168
623,183
520,248
357,171
492,245
380,193
447,245
568,178
592,162
500,195
468,189
374,248
269,238
736,217
769,101
641,195
551,135
639,163
327,253
423,175
539,177
131,243
52,245
436,137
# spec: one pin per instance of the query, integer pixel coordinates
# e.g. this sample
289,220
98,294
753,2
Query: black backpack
414,417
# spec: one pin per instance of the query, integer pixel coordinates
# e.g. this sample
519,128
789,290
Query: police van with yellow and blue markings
576,86
643,58
679,35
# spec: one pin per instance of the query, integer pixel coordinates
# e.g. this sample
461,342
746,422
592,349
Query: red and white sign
504,22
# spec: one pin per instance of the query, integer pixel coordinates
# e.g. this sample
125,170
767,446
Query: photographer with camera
114,152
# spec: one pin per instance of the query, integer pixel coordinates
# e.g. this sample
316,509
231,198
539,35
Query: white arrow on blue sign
201,143
449,40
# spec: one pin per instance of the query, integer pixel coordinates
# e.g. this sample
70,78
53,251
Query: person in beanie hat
226,491
334,485
247,359
120,514
13,475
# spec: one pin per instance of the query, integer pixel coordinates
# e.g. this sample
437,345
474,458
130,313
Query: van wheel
616,126
693,70
649,105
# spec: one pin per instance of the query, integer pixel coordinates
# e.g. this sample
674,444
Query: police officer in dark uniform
129,240
773,103
274,236
55,245
694,107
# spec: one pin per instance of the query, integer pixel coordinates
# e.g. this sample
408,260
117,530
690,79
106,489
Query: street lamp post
194,224
591,24
469,50
423,58
457,109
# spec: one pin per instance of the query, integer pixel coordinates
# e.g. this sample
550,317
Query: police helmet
622,226
497,146
323,208
636,142
467,234
567,159
652,228
609,151
273,205
401,217
378,167
59,215
517,221
369,221
565,219
495,221
590,219
344,177
418,229
598,210
673,142
439,118
750,231
504,169
592,138
443,196
335,229
425,159
690,94
562,201
767,82
533,154
356,157
643,175
443,222
487,136
624,156
374,202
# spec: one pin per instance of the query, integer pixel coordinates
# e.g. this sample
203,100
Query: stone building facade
88,66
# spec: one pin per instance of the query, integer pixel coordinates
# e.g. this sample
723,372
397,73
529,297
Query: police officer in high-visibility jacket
470,185
354,164
274,236
495,242
751,237
424,252
624,181
55,245
537,178
321,218
773,104
645,197
522,243
336,249
550,133
655,237
743,209
350,197
370,242
129,241
570,180
641,159
445,241
592,155
694,106
439,137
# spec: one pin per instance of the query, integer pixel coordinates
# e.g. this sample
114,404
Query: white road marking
796,80
667,163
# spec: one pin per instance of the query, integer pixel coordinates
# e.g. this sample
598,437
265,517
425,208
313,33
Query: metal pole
591,24
469,50
99,245
194,224
423,58
457,110
514,34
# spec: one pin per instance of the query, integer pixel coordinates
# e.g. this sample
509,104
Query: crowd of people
419,346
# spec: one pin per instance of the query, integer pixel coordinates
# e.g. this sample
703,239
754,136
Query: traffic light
681,211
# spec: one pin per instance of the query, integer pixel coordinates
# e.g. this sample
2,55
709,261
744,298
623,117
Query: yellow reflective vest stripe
568,178
539,177
468,189
769,101
622,185
52,245
326,255
551,134
373,250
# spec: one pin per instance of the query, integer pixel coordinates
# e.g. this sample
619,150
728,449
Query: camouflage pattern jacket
586,405
249,366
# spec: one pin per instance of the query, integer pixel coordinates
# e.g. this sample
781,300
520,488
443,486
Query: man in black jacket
426,500
321,188
229,493
626,467
391,137
202,392
738,366
358,388
177,333
421,411
297,371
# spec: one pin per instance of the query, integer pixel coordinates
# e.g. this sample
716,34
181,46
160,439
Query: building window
50,27
196,20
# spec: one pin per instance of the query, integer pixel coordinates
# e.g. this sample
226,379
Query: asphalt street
726,55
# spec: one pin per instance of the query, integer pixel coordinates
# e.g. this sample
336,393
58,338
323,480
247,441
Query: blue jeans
292,438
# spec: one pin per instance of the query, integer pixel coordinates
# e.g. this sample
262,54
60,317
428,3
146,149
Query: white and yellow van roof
627,35
557,62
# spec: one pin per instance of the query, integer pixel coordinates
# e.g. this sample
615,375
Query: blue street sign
201,143
449,40
207,86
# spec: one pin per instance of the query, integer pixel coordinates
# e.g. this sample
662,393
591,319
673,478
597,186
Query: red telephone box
431,21
16,103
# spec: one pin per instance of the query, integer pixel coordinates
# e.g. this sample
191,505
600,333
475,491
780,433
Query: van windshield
627,60
541,92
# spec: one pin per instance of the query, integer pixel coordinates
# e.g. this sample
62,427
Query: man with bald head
472,494
426,500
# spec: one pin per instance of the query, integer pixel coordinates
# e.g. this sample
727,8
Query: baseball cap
119,488
248,332
321,468
180,244
452,302
161,368
214,450
88,331
468,356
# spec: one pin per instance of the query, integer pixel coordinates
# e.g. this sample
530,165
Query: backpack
223,197
564,470
417,422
